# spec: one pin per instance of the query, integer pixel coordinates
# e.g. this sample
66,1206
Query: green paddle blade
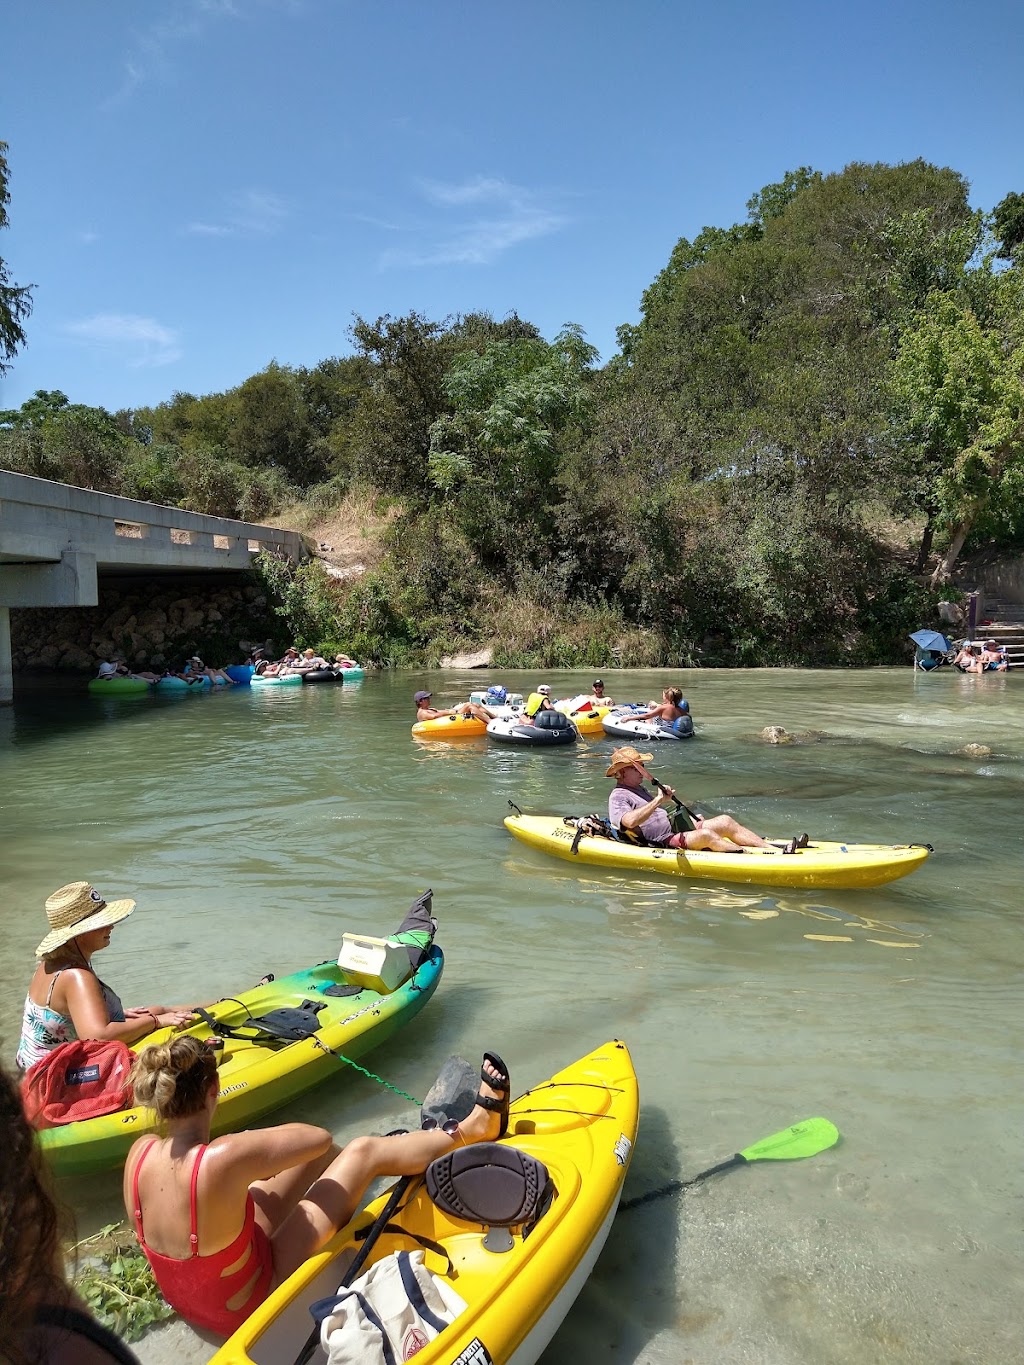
802,1139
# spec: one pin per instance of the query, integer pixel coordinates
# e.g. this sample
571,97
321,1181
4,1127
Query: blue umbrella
930,639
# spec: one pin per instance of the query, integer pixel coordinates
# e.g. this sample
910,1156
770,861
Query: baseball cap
422,696
598,682
544,688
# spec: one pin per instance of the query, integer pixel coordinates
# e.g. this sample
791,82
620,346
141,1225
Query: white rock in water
974,750
481,659
776,734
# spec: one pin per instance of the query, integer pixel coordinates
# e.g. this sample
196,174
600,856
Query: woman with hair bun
223,1222
41,1320
671,708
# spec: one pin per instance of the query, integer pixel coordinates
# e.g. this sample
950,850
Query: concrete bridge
56,540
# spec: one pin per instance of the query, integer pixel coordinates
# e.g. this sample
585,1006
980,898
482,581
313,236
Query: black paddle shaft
674,1186
359,1260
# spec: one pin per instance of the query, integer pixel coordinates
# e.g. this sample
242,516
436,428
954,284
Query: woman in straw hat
66,999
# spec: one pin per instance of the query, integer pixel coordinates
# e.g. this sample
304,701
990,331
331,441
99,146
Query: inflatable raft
450,727
619,723
259,1074
818,865
119,687
550,728
516,1288
261,680
180,685
588,721
324,675
240,673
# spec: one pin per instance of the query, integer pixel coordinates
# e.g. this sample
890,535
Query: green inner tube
113,687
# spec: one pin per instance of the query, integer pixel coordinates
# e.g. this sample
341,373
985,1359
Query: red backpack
77,1080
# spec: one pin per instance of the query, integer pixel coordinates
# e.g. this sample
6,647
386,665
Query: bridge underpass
56,542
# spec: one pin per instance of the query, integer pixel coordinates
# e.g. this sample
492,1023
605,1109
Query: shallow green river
255,827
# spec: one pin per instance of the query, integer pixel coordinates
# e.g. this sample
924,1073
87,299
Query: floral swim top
43,1029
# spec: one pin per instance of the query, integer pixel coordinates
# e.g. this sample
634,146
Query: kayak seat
491,1183
288,1025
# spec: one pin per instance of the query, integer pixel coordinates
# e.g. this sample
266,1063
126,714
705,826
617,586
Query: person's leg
694,840
728,828
332,1199
279,1196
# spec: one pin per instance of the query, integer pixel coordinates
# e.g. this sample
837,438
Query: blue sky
199,187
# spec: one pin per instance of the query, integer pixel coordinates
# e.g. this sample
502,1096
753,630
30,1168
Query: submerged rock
974,750
776,734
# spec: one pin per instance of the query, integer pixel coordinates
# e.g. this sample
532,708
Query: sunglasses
450,1126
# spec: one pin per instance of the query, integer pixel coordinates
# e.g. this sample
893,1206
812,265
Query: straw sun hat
627,757
78,908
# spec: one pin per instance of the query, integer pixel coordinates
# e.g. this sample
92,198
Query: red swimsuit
198,1286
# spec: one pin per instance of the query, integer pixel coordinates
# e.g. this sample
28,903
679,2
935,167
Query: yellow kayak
450,727
582,1125
258,1075
587,722
819,864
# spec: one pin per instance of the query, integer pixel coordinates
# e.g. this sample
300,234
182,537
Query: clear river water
255,827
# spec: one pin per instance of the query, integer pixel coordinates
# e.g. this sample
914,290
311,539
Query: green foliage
116,1283
15,299
1008,226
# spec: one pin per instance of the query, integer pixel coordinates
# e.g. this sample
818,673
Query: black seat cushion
490,1183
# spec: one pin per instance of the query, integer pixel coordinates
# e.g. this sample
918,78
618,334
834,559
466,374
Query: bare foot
484,1125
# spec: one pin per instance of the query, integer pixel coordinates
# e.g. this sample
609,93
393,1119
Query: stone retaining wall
151,622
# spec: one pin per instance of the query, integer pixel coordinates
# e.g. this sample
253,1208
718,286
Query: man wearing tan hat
66,999
633,808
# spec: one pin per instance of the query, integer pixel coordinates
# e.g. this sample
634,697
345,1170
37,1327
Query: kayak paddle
801,1139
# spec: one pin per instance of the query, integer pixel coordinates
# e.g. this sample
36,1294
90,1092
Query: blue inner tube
353,674
180,685
292,680
239,673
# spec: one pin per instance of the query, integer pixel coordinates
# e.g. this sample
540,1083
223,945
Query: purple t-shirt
657,828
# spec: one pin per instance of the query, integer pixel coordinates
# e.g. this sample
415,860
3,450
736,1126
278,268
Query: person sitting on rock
424,711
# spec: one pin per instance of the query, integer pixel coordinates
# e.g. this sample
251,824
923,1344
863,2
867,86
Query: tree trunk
956,544
926,545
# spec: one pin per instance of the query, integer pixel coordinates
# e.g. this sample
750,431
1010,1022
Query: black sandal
496,1106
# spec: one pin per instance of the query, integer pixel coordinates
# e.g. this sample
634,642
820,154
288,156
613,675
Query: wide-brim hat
78,908
626,758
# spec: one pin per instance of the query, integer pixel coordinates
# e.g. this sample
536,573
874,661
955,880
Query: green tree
497,452
1008,226
959,386
15,299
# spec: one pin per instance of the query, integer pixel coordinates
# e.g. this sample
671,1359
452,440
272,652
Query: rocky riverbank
151,622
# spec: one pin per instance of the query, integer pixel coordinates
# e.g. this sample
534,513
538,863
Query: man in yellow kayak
633,809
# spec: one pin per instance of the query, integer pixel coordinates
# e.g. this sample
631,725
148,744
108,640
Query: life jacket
534,703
